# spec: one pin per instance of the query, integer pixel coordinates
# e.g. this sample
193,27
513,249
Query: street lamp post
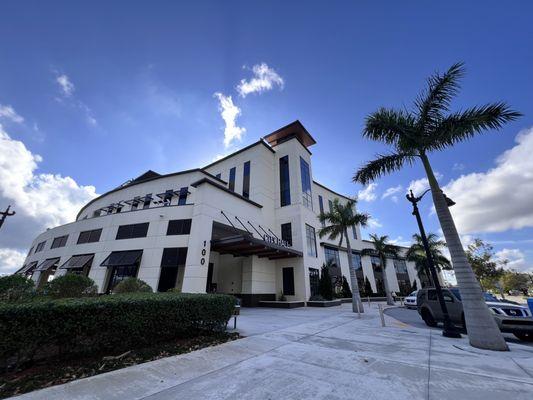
5,214
449,329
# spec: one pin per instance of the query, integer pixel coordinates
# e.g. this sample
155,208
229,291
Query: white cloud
400,241
41,200
10,260
515,259
500,198
374,223
368,193
419,186
458,166
391,192
66,86
9,113
264,79
67,91
229,113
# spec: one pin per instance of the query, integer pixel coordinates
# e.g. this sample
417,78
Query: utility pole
5,214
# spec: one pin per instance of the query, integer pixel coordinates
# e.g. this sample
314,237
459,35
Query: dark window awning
27,269
78,261
246,245
122,258
47,264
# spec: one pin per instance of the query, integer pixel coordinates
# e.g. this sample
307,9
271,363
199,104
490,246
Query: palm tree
337,221
413,135
383,250
417,254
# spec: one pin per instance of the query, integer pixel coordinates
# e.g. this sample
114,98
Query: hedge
69,327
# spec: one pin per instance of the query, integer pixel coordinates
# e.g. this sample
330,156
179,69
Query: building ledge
224,189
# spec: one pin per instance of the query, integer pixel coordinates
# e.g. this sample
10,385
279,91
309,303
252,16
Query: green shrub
95,324
132,285
325,287
70,285
16,288
346,292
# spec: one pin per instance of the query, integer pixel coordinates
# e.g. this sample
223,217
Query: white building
246,225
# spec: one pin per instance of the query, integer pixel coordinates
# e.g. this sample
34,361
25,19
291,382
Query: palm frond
383,164
432,103
388,125
463,125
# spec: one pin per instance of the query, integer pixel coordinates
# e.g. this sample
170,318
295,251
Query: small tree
70,285
16,288
346,291
132,285
325,288
367,287
482,259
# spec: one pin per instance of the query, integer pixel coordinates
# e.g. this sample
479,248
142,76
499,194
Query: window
400,266
288,281
310,238
179,227
376,261
172,259
89,236
321,206
119,273
147,200
284,181
132,231
118,208
97,213
330,204
332,256
246,180
232,179
314,277
358,265
219,176
60,241
167,197
182,200
40,247
354,231
286,233
307,198
432,295
356,260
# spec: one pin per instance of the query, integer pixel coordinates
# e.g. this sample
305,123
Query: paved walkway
319,354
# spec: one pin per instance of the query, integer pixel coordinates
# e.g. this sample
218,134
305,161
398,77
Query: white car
410,301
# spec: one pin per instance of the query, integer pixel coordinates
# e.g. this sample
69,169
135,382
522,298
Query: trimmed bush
346,291
132,285
70,285
325,288
16,288
95,324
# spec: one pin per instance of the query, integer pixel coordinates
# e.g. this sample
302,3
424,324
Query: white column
195,275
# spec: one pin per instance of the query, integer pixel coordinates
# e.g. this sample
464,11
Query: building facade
245,225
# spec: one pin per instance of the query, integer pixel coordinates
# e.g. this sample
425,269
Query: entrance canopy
122,258
229,240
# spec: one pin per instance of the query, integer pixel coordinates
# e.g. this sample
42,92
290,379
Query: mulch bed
56,371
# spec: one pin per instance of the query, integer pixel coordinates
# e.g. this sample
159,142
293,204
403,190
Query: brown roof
294,129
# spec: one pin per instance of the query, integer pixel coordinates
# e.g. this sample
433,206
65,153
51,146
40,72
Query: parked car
410,301
511,318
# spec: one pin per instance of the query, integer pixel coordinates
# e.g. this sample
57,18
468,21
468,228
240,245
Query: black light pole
449,329
5,214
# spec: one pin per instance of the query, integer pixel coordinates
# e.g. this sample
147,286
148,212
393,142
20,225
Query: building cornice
332,191
225,189
260,141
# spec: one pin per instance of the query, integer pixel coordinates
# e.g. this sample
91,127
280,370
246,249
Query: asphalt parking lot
411,317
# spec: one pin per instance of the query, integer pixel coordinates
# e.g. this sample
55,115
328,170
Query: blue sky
102,91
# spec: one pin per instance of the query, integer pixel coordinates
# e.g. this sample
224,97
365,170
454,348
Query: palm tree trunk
390,300
356,296
482,329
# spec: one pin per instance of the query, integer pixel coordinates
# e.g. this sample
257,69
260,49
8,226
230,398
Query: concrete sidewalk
319,354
